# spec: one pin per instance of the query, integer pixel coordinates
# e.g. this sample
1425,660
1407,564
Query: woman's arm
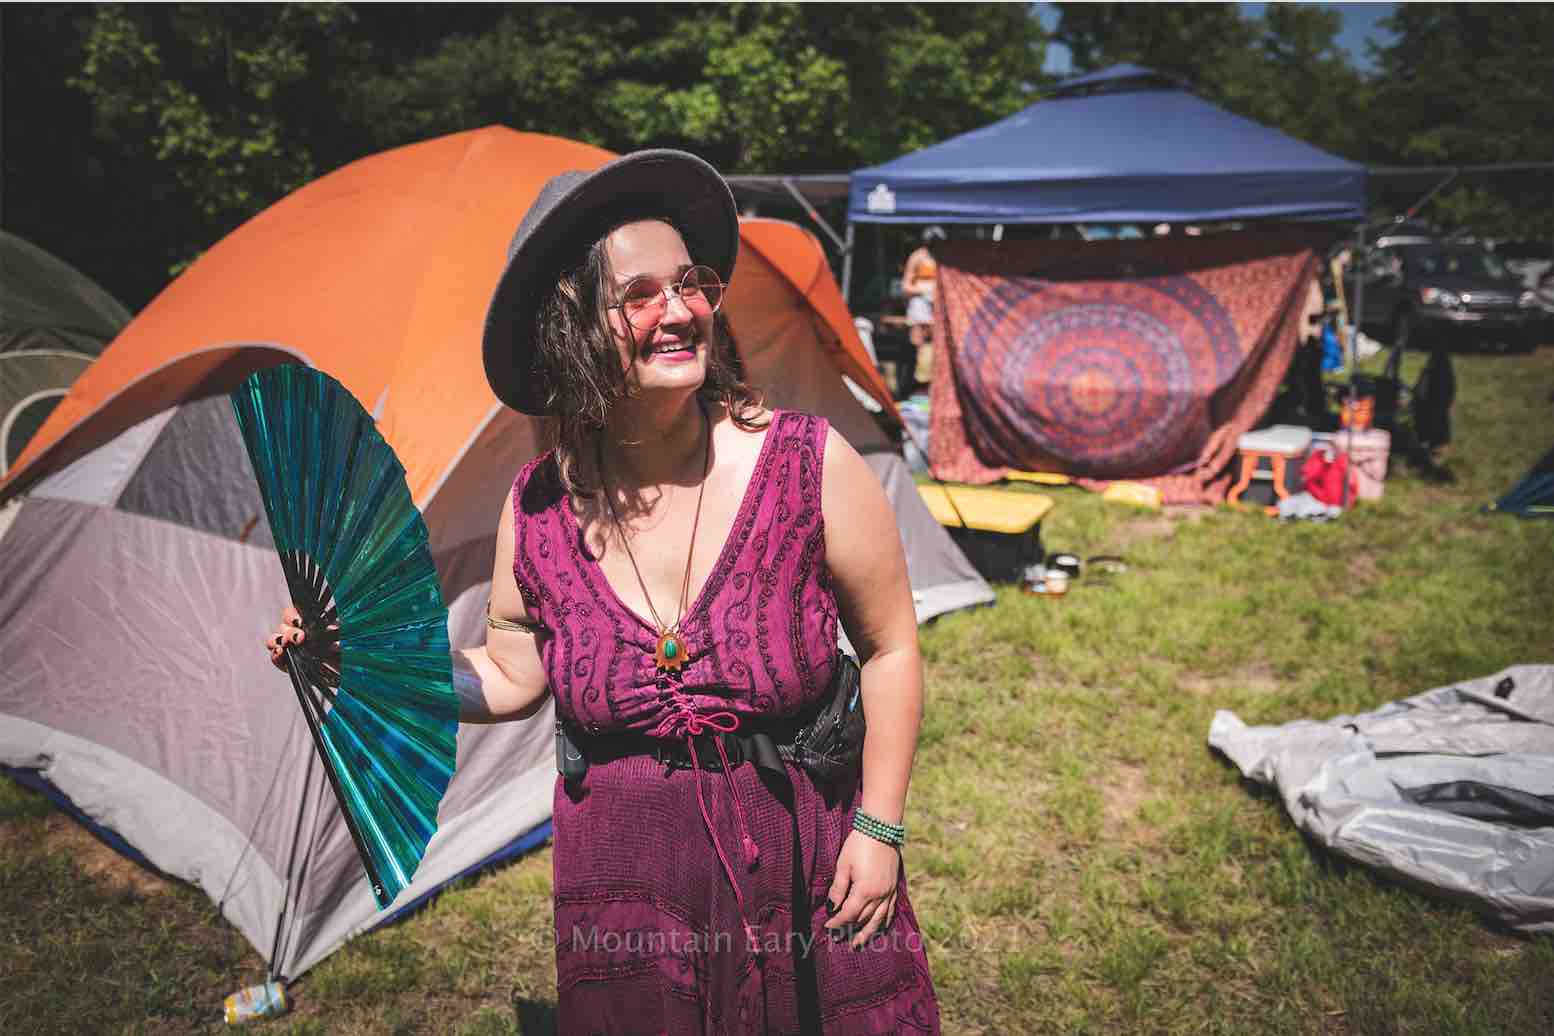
909,275
874,597
502,679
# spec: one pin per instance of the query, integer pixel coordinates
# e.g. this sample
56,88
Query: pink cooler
1368,451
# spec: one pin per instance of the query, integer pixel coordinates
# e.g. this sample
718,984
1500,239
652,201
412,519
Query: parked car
1420,292
1533,262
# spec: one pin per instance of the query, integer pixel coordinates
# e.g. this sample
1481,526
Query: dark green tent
54,321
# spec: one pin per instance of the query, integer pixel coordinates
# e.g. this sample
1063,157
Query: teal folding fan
373,674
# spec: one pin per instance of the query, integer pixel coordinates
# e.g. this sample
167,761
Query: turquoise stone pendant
671,651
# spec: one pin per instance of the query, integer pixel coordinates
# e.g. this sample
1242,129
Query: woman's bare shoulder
750,426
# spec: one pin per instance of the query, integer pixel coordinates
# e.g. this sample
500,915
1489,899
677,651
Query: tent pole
1354,350
1359,302
836,239
847,266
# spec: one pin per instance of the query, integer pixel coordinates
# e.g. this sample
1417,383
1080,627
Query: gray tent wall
136,586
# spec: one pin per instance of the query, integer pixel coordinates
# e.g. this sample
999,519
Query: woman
673,572
919,282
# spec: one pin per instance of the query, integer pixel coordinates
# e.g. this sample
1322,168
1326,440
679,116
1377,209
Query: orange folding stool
1277,445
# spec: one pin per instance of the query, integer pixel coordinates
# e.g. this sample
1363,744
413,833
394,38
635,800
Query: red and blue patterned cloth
1140,360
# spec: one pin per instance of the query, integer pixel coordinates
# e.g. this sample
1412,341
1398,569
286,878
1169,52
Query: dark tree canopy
138,135
1469,84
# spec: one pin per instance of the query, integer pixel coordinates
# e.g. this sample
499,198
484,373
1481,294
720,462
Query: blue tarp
1123,145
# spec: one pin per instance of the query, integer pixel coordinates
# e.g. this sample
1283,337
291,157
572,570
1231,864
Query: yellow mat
1011,511
1041,478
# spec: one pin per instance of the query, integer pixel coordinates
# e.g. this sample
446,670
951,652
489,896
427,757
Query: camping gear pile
1451,790
138,577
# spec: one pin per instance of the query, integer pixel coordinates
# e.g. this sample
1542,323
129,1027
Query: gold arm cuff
527,626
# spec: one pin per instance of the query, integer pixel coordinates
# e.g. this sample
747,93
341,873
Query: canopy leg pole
836,239
847,267
1354,349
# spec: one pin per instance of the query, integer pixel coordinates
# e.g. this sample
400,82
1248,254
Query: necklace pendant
671,652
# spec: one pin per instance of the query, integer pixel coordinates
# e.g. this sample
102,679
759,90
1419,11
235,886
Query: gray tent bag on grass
1451,790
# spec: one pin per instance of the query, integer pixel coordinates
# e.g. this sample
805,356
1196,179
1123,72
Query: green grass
1080,860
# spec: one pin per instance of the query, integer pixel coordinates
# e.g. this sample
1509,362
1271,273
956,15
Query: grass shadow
535,1017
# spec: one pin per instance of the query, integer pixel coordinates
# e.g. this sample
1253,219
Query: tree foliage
752,87
1469,84
167,125
1284,69
214,93
214,111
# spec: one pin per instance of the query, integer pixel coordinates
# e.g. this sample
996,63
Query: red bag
1324,472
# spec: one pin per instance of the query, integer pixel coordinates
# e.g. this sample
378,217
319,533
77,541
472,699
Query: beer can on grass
253,1002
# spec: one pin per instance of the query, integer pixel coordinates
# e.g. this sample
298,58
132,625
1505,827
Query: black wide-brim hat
574,210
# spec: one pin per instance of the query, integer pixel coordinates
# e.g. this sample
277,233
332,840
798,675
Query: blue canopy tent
1125,145
1122,145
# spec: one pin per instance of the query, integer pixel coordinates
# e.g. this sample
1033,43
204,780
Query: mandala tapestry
1109,360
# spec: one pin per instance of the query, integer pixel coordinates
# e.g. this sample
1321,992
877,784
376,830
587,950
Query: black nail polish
831,908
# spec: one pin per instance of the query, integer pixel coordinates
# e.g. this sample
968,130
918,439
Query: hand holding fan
373,676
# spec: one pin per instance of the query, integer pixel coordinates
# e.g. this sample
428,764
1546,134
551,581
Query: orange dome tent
180,739
378,273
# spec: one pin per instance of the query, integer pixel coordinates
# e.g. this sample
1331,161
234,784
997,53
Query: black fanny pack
828,745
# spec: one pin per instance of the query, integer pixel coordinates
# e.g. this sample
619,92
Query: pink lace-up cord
684,721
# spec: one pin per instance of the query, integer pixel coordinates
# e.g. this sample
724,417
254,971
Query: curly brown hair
578,355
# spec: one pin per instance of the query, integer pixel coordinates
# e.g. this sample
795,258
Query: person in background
919,282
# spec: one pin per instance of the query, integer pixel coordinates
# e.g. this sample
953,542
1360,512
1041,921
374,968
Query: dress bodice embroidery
760,635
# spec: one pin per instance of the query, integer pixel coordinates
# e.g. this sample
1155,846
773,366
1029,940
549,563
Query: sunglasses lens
644,300
700,287
643,303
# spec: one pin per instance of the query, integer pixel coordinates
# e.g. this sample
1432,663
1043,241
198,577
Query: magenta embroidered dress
675,891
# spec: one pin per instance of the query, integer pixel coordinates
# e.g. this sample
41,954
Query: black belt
763,747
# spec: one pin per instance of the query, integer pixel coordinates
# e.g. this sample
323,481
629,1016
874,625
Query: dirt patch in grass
1188,512
1363,570
96,861
1140,530
1256,678
1123,791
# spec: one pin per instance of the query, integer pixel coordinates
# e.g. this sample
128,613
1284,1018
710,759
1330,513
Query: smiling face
670,355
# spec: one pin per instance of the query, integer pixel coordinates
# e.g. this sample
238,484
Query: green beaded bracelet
879,830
